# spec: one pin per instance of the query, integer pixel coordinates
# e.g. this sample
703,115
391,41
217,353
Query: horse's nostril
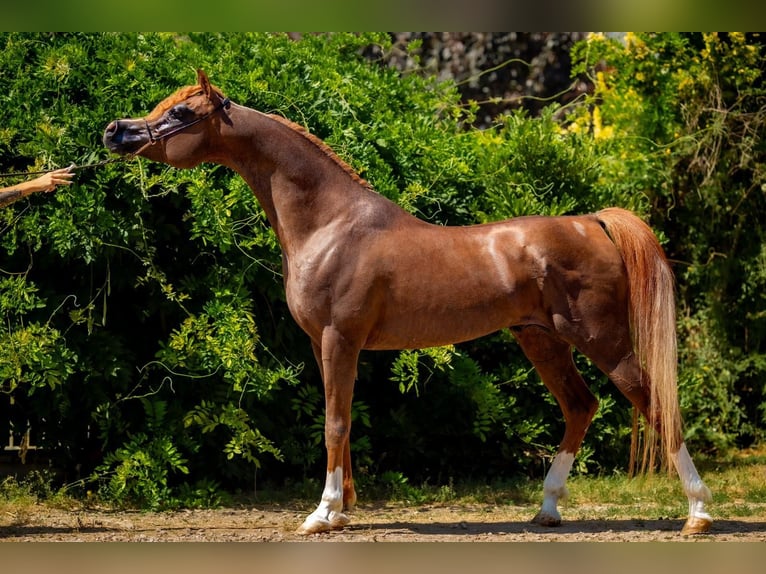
111,134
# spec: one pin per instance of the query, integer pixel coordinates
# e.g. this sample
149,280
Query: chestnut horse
362,273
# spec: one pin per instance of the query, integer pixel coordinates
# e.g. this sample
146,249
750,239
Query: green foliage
35,486
406,369
245,442
138,472
145,337
535,169
686,115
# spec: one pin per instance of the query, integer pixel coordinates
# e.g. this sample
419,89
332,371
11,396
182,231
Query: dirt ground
369,523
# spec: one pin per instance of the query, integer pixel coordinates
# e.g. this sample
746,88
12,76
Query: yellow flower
601,86
597,117
600,131
635,45
737,37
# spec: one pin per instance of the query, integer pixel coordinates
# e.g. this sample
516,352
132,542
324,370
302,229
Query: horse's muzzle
124,136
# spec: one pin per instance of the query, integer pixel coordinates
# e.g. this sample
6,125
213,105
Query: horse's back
439,285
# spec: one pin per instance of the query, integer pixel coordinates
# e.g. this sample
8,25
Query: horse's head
177,130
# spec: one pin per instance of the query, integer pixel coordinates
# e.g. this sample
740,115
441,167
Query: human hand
52,179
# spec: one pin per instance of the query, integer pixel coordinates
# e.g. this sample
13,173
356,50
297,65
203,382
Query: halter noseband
225,103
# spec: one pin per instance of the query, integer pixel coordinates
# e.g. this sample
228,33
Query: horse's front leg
349,492
338,360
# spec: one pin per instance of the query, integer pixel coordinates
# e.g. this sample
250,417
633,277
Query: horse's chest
308,285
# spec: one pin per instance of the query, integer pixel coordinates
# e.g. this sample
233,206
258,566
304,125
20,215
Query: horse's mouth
123,138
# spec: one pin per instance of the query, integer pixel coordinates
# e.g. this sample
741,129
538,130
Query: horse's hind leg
349,492
630,379
552,358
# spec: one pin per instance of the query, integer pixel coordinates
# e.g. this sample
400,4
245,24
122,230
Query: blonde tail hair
653,325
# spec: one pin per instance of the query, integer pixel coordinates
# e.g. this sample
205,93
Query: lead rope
71,168
126,157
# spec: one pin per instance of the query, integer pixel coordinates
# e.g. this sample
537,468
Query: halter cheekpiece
225,103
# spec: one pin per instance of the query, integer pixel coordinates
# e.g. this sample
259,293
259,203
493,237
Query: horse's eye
178,112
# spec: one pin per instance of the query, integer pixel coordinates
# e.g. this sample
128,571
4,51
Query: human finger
62,177
64,171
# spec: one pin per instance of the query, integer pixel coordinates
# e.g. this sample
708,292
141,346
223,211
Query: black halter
225,103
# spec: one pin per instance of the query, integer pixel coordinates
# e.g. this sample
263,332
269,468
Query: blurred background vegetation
145,343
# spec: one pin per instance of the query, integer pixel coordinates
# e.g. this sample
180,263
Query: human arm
46,182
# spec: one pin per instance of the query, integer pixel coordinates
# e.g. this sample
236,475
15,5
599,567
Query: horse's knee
336,432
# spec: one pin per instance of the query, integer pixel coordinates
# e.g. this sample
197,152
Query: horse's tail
652,321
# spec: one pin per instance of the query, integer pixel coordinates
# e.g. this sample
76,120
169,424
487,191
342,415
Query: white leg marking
695,489
328,515
554,488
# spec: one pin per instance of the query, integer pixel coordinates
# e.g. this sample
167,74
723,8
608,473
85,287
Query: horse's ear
204,82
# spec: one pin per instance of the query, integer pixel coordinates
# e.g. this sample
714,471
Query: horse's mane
188,91
323,147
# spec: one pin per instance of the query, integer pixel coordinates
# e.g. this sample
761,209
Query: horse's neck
300,184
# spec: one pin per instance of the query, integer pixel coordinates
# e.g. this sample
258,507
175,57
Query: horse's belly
433,328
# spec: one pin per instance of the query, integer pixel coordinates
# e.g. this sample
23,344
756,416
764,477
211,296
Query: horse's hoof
314,526
545,519
338,521
696,525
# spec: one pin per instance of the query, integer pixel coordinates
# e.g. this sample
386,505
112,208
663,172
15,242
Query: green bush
684,114
145,335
